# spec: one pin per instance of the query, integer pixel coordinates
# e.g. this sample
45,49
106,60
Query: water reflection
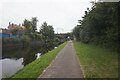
11,66
14,60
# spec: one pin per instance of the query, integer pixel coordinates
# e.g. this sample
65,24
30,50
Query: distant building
7,33
4,33
15,26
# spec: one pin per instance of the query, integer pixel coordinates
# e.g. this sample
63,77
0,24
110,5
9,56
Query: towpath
66,65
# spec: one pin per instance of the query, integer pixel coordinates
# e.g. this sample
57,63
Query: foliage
97,62
48,36
45,38
10,40
31,25
76,32
34,23
35,36
31,34
27,25
47,31
25,39
99,25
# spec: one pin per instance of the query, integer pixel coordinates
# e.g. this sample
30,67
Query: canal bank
34,69
15,59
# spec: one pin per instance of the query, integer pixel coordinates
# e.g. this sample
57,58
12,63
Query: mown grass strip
34,69
97,62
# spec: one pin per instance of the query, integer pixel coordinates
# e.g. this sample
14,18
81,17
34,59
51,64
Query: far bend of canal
15,59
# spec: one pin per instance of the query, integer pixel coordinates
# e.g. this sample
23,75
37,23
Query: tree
31,25
34,23
27,25
99,25
76,32
48,36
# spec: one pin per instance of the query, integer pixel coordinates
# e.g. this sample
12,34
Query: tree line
46,34
45,37
99,25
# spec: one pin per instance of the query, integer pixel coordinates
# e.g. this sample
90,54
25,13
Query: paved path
65,65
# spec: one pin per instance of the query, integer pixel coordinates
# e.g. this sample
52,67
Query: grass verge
97,62
34,69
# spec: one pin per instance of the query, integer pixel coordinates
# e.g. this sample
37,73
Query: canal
15,59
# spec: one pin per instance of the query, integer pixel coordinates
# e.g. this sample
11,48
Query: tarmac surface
65,65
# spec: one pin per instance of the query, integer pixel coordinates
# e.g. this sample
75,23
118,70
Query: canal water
15,59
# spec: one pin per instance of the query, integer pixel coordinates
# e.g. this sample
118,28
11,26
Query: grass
34,69
97,62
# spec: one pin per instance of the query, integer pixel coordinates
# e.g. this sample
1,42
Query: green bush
10,40
25,39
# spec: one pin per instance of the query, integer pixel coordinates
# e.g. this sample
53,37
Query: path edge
78,61
50,63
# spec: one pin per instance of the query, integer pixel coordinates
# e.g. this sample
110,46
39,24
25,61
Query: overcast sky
63,15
